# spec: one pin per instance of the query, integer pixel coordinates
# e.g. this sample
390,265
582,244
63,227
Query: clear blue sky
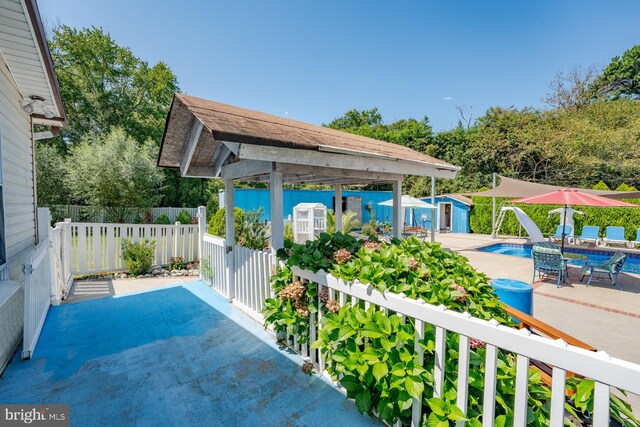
315,60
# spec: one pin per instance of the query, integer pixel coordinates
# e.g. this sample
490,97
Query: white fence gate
38,279
250,285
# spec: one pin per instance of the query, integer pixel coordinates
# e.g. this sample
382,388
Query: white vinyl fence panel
96,247
38,279
252,273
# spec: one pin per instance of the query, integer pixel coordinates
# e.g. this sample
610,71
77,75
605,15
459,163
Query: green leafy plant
349,222
163,219
177,263
138,257
371,352
218,221
184,217
288,231
254,231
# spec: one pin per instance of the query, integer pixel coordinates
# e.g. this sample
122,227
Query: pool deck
600,315
180,355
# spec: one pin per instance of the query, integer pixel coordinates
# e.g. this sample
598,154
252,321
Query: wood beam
245,169
341,161
336,172
220,157
190,146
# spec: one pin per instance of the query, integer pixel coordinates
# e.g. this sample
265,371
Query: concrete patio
180,355
600,315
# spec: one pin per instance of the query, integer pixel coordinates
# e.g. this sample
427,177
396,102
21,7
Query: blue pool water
632,265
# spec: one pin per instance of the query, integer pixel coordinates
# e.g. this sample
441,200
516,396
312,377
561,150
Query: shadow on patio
179,355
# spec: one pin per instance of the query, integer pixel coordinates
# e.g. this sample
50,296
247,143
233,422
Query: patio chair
614,235
611,267
558,236
548,261
590,233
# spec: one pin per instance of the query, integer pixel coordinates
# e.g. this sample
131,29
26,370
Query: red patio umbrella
568,197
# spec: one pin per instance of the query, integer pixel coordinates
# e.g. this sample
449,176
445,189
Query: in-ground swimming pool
632,265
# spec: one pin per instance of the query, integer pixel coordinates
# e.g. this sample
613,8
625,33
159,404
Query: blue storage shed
452,214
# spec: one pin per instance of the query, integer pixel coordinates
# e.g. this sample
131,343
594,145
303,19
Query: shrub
217,223
163,219
288,231
184,217
177,263
212,207
349,222
371,353
480,218
138,257
254,231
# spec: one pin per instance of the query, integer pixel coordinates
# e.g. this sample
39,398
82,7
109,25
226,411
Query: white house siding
17,171
19,206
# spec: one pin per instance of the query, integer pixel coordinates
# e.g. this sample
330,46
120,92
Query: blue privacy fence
252,198
249,199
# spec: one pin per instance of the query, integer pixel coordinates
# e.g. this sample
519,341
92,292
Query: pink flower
370,244
324,294
461,290
413,263
302,309
474,343
333,306
293,291
341,256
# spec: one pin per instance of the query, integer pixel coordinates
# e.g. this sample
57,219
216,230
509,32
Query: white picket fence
38,284
96,247
213,265
605,370
251,270
98,215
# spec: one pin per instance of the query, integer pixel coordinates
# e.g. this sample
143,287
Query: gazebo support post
397,209
433,211
229,238
277,219
338,202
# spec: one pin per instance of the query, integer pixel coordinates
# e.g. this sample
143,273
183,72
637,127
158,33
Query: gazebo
207,139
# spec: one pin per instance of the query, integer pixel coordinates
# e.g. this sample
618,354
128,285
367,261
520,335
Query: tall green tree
114,172
621,78
52,186
104,85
